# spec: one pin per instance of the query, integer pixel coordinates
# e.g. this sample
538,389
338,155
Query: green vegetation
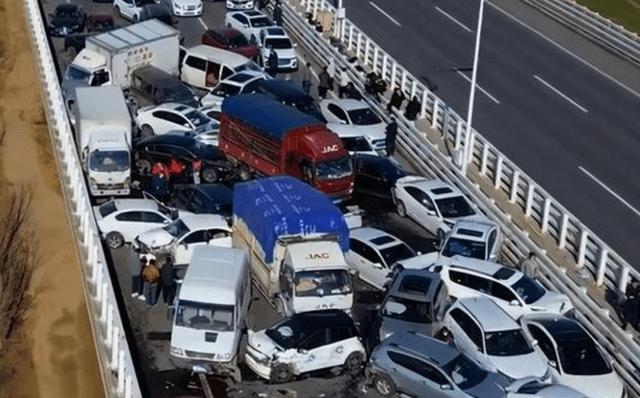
623,12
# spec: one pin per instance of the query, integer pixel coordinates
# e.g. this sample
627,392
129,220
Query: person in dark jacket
277,13
323,83
390,136
413,108
631,306
397,98
167,282
272,62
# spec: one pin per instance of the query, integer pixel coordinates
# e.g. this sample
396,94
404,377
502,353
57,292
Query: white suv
240,83
276,39
512,290
479,239
131,9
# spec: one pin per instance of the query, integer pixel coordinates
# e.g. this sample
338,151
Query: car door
370,181
545,348
368,262
464,284
164,121
312,353
335,114
194,69
420,208
467,335
133,223
127,8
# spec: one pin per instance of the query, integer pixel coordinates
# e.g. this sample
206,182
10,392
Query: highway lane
556,117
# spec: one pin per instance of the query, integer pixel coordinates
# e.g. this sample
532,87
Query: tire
209,175
114,240
354,362
402,211
229,26
117,8
146,131
281,373
384,385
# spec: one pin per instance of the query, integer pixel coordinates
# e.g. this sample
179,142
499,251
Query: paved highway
568,125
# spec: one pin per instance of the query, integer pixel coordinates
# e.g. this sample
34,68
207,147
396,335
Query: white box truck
110,57
296,239
103,138
211,309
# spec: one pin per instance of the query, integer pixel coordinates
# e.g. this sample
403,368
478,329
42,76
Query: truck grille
199,355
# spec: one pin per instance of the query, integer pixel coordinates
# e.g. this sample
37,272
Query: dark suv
153,86
290,93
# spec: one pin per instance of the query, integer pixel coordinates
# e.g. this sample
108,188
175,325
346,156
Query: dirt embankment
53,354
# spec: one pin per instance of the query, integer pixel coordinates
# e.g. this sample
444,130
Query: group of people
150,279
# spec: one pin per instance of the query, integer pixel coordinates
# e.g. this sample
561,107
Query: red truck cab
273,139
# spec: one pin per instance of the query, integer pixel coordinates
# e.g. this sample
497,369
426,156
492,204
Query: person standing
160,180
306,78
272,62
343,83
397,98
530,266
323,83
390,136
137,264
150,278
196,166
277,13
413,108
167,281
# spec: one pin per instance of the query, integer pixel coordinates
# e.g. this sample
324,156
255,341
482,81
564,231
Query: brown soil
53,354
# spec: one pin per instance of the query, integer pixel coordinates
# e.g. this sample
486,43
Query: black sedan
67,19
203,198
184,148
375,176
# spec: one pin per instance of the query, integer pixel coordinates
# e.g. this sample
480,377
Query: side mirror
446,387
431,212
534,342
553,364
514,303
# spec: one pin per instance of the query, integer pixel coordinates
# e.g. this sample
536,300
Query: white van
204,66
210,313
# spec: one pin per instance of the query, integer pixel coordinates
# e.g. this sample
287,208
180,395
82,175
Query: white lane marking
454,20
202,23
384,13
491,97
624,202
566,51
561,94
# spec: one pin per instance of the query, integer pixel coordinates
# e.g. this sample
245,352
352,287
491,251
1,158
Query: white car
481,239
434,204
173,117
249,23
303,343
239,4
575,359
239,83
131,9
276,39
373,253
487,334
179,238
357,143
186,8
513,291
530,387
121,220
346,115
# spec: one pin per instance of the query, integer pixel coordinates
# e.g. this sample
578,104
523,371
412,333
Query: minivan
204,66
154,86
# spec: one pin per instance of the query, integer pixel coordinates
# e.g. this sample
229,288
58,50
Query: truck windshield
75,73
204,316
334,169
319,283
108,161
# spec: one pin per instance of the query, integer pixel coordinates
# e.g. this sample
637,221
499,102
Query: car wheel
146,131
114,240
354,362
384,385
281,373
402,211
229,26
117,8
209,175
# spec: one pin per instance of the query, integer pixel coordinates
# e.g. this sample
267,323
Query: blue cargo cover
285,206
266,114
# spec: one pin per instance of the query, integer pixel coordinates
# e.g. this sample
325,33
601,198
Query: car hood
494,385
595,386
554,302
261,342
187,2
286,53
156,238
346,130
520,366
66,22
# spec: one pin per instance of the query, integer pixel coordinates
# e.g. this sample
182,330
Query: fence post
434,114
545,216
497,179
514,186
423,110
564,225
394,69
385,66
458,138
350,45
485,160
529,204
602,266
582,249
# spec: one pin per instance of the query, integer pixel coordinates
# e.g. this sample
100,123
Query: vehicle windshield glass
356,144
248,66
224,89
464,372
506,343
456,206
75,73
532,388
107,208
393,254
141,3
177,229
464,248
528,289
108,161
278,44
363,117
334,169
204,316
407,310
582,357
287,333
197,118
259,22
238,41
322,283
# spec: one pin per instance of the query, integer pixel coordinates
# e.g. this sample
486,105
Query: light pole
468,145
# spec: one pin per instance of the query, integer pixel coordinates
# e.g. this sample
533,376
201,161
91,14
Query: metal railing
112,348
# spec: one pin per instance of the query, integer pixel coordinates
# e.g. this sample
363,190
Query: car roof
244,77
250,13
284,90
376,237
415,284
472,229
67,7
197,221
421,345
562,329
220,54
135,204
321,319
488,314
489,268
437,189
274,31
349,104
173,106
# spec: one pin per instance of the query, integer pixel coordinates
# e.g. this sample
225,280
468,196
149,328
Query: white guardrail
114,356
530,217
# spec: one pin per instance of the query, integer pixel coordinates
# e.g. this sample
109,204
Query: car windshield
66,12
532,388
399,252
225,89
528,289
464,372
464,247
454,207
248,66
507,343
278,44
75,73
198,119
204,316
582,357
141,3
334,169
356,144
363,117
322,283
238,41
108,161
177,229
259,22
407,310
107,208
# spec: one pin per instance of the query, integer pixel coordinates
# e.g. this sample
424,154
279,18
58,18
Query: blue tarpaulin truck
295,238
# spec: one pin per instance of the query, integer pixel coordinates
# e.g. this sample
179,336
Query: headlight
179,352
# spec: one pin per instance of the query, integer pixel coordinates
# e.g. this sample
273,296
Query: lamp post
468,145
